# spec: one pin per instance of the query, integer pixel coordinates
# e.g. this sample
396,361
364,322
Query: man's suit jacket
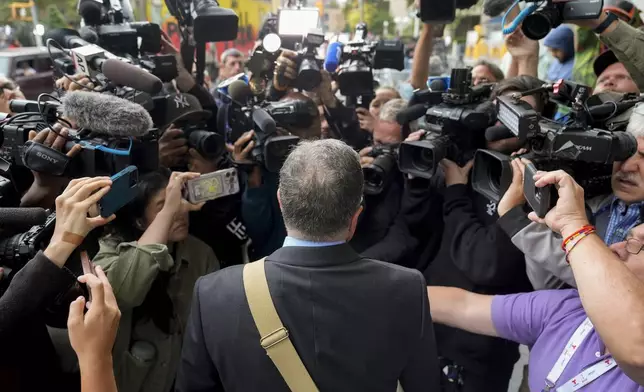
358,325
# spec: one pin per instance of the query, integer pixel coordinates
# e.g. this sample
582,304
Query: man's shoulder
221,281
394,272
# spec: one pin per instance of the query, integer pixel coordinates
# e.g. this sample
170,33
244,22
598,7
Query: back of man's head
320,191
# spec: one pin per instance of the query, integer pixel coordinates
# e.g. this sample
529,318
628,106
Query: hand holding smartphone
212,186
88,268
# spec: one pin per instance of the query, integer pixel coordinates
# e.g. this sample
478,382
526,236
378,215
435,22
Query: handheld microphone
498,132
333,56
239,92
22,217
106,114
411,113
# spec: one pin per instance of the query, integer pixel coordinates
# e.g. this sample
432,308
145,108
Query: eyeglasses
634,246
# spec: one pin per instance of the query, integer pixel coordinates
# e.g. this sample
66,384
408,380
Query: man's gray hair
232,52
321,185
636,121
390,109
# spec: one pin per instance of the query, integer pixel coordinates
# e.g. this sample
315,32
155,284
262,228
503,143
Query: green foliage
54,19
375,13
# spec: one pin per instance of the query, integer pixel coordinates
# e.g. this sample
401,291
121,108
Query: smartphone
539,199
88,268
441,11
212,186
123,191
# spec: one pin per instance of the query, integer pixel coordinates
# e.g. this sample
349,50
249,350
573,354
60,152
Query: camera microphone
498,132
264,121
411,113
106,114
18,218
333,56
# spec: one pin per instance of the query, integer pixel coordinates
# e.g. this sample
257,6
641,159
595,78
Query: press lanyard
586,376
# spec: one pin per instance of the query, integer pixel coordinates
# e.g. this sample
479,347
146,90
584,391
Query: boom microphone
498,132
333,56
130,75
22,217
494,8
106,114
411,113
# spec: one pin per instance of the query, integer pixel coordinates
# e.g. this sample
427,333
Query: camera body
455,127
378,173
539,23
308,69
585,152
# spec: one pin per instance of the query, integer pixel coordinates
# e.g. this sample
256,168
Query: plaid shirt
622,219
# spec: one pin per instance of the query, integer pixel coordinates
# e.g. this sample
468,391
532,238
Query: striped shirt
622,219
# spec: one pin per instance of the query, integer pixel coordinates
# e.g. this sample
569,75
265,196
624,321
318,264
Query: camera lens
208,144
538,24
423,159
494,171
308,75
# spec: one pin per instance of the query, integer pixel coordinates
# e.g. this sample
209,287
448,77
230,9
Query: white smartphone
212,186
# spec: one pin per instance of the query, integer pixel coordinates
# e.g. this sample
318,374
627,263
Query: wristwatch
610,18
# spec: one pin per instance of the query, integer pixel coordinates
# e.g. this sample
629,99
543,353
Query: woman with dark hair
153,263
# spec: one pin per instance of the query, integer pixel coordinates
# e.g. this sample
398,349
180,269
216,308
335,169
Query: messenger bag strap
274,336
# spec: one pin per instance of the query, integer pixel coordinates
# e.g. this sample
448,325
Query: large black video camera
456,126
587,153
358,60
553,13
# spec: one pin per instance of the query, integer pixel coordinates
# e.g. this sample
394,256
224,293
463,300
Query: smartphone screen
297,22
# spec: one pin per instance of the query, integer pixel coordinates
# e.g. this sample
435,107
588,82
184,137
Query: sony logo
46,157
585,148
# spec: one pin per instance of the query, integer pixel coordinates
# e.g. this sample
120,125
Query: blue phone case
123,191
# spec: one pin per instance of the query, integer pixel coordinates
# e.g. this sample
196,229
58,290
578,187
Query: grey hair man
231,63
387,130
334,303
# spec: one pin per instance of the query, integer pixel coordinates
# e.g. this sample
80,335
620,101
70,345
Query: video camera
357,61
537,20
456,126
587,153
377,174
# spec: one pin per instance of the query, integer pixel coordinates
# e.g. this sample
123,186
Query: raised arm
610,293
461,309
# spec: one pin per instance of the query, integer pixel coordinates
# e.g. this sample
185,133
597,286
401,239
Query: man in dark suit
357,324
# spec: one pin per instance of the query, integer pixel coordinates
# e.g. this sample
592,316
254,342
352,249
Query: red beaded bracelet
576,241
584,231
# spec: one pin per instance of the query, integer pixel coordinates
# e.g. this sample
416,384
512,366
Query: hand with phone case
72,220
570,211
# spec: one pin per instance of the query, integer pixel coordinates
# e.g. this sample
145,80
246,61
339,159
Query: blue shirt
622,219
291,241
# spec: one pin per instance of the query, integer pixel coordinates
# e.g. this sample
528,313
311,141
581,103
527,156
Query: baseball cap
604,61
182,108
624,9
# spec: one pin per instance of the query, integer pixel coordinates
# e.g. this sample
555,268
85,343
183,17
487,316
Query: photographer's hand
366,120
45,188
569,214
325,91
92,335
365,159
415,136
285,70
454,174
75,82
240,151
514,195
72,221
173,147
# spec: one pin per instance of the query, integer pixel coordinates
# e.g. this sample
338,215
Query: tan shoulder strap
273,335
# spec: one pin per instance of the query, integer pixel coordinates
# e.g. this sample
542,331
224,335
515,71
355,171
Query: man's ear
279,200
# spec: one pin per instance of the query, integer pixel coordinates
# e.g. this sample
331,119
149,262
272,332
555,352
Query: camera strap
43,159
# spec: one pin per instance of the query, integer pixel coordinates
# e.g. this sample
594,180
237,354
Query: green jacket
146,358
627,43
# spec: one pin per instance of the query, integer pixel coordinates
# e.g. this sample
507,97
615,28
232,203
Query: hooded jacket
561,38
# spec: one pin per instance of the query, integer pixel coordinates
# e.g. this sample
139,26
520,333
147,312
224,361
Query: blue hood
562,38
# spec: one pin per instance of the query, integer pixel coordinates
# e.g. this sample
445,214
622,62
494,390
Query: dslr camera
553,13
455,125
586,152
377,174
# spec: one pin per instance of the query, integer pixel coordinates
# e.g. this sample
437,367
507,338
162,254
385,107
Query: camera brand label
46,157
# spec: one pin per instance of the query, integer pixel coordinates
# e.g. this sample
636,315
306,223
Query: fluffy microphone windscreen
106,114
91,12
239,91
130,75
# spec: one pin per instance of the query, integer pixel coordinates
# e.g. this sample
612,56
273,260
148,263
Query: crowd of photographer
401,242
